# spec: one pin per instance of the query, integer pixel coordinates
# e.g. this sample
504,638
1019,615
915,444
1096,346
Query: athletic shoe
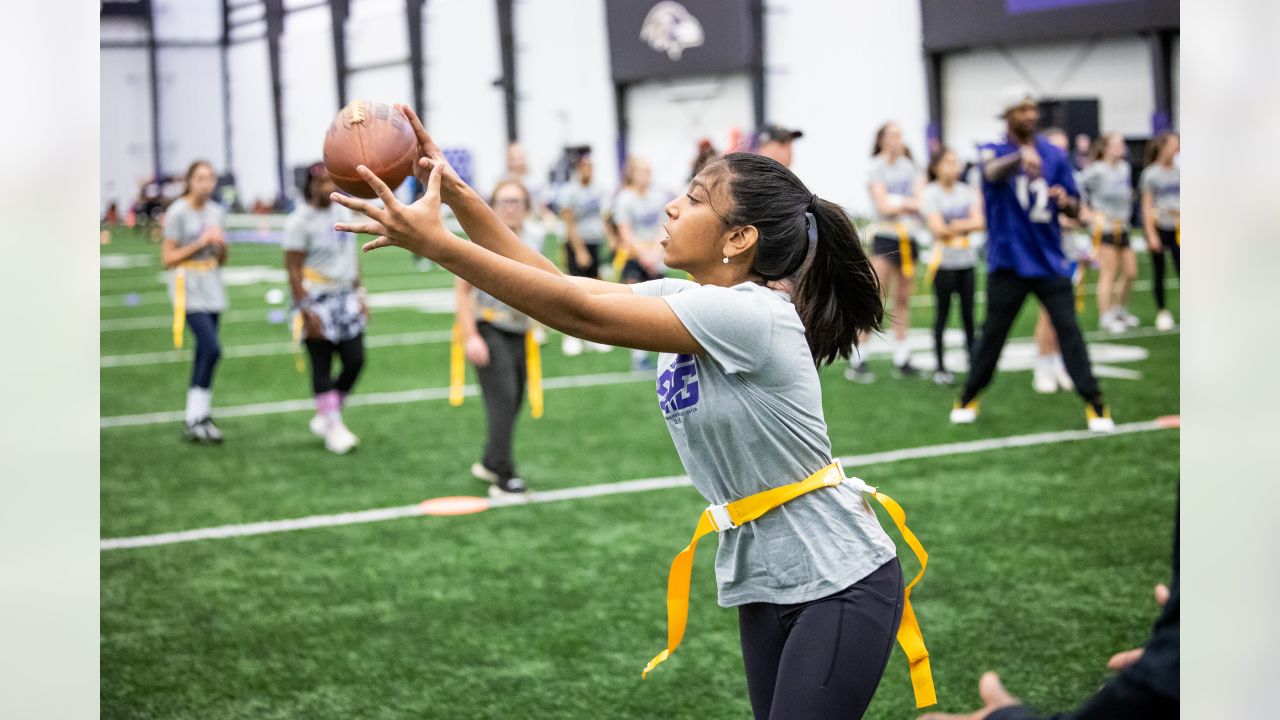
599,347
211,432
1043,381
905,370
1128,318
339,440
509,487
964,414
1164,321
195,432
480,472
859,373
571,346
1099,418
1115,325
318,425
1062,377
942,377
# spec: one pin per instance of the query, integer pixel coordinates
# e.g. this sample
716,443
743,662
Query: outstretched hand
430,156
418,228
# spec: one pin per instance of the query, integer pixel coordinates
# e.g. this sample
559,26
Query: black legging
1168,241
208,350
821,659
502,385
321,352
946,283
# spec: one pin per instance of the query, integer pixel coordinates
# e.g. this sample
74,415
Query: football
372,134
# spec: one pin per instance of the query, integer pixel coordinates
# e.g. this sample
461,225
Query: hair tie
811,227
813,203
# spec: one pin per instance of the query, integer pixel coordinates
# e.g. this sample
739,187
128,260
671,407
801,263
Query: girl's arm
937,226
171,253
975,222
641,322
1149,221
880,198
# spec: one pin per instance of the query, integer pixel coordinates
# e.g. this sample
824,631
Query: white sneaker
339,440
1115,324
1062,377
571,346
318,425
1043,381
1128,318
480,472
599,347
1164,321
1099,422
964,414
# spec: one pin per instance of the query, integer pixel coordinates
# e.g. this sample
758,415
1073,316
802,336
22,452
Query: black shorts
1119,240
591,269
634,272
887,247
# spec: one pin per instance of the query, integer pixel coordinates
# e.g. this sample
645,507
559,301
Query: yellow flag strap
1177,234
533,370
296,333
619,261
935,258
1080,280
180,294
719,518
457,367
904,250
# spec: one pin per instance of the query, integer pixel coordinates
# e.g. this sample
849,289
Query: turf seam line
617,488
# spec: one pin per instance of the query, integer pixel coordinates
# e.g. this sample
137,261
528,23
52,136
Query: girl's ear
741,240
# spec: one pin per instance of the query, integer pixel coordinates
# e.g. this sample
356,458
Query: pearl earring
726,261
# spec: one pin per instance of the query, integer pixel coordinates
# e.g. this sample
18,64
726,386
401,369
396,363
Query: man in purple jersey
1026,182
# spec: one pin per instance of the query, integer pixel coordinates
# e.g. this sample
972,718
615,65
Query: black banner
952,24
656,39
126,8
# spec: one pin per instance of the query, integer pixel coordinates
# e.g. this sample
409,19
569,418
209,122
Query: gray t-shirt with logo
898,178
1109,191
746,416
184,225
331,254
586,203
953,204
1165,186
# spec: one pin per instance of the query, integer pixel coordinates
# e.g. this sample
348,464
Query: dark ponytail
836,292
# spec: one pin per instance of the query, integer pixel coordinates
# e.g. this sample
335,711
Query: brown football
372,134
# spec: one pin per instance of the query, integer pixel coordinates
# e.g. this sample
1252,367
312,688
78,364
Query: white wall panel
837,71
565,93
376,32
122,30
1116,71
253,145
308,84
667,119
187,19
124,125
390,84
463,107
191,117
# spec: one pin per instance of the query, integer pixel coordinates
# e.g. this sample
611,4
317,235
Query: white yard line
617,488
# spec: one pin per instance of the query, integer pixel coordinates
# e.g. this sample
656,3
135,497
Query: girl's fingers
433,182
357,204
380,188
376,243
369,228
424,140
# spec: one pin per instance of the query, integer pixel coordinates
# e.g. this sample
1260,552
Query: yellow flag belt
935,258
180,293
719,518
532,363
904,251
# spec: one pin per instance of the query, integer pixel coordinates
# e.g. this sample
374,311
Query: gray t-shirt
1164,184
184,225
586,203
1109,190
644,213
490,309
953,204
331,254
746,416
898,178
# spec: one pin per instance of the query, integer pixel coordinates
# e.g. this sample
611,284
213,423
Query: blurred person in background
1026,183
1160,185
581,204
194,250
952,210
494,339
1107,187
331,313
638,216
895,182
774,141
706,153
1049,374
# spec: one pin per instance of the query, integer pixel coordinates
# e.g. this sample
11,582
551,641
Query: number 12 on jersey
1033,196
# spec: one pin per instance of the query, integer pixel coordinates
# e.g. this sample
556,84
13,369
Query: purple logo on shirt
678,385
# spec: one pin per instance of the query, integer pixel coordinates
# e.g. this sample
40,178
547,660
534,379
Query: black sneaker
906,370
508,487
859,373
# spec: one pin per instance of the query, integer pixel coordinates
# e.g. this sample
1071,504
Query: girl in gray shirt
785,288
1161,186
194,250
1108,188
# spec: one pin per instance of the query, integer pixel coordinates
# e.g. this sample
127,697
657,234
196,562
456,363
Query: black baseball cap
777,133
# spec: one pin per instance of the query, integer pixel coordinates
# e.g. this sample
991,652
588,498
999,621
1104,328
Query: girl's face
202,182
1171,148
695,230
1114,149
509,206
640,173
891,140
948,168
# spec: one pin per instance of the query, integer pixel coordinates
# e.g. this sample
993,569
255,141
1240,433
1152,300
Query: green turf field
1042,558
